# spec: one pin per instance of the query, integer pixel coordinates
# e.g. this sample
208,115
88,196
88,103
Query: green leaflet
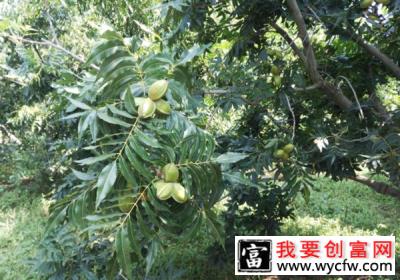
82,176
78,210
230,157
98,218
112,120
129,102
110,143
79,104
151,215
144,228
137,164
118,85
152,254
145,28
148,140
104,49
56,217
135,145
85,122
111,64
73,116
134,238
112,267
239,178
123,69
117,111
214,225
106,181
192,52
123,249
94,129
111,35
91,160
193,228
126,171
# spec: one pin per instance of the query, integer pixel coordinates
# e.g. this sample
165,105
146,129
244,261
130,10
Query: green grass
346,208
22,220
335,208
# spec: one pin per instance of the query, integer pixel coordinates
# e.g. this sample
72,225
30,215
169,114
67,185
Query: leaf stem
194,163
136,203
127,138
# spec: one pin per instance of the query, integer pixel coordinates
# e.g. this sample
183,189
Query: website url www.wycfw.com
334,267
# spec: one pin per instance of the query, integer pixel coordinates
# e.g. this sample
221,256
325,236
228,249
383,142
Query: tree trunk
379,187
332,91
374,51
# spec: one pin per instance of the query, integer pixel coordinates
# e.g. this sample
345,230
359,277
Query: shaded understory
335,208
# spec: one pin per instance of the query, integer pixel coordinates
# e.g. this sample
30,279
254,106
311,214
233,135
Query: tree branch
311,62
308,88
375,100
331,90
11,136
379,187
290,41
51,44
374,51
222,91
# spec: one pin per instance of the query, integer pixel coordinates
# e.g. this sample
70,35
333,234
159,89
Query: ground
22,220
335,208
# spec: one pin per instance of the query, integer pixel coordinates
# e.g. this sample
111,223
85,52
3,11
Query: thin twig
355,95
10,135
16,39
308,88
122,275
293,116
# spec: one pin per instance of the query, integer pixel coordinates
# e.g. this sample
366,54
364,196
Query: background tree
326,51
